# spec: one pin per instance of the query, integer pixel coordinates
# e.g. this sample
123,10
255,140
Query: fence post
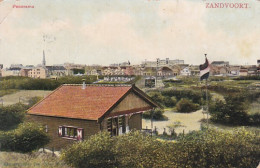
164,131
52,151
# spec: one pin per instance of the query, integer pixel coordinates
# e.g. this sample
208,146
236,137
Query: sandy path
190,120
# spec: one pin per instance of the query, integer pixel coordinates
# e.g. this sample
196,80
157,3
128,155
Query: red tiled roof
71,101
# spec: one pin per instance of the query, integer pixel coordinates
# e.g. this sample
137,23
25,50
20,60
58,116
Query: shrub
169,101
232,111
26,138
11,116
157,97
34,100
97,151
185,105
156,114
129,150
195,96
222,149
210,148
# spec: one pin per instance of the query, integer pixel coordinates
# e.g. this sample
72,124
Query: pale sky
114,31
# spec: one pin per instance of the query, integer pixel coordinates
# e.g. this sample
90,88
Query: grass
7,91
23,96
256,130
34,160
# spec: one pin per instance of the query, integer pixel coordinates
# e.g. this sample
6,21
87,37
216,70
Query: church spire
43,59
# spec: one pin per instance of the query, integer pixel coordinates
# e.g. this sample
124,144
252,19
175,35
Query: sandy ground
23,95
191,121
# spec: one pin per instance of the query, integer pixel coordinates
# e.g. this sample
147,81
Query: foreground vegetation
32,160
26,138
199,149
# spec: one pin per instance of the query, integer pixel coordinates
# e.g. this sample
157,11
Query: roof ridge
108,85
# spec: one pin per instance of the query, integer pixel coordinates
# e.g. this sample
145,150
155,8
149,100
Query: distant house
220,63
56,71
252,71
74,112
185,71
219,70
149,71
38,72
10,72
165,72
243,71
194,70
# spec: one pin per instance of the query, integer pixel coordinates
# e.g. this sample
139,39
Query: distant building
243,71
16,66
13,70
194,70
252,71
93,70
38,72
161,63
120,64
56,71
10,72
185,71
165,72
220,63
233,70
71,67
25,71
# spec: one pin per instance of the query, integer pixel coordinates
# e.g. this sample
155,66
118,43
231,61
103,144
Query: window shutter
60,131
127,129
120,130
80,134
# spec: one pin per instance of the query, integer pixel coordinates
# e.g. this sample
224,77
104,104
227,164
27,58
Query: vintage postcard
129,83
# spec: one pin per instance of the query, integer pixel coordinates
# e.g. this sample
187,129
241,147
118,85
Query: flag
204,70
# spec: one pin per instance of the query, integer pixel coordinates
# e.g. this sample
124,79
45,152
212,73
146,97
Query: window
117,125
70,132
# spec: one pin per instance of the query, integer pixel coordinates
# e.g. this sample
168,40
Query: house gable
131,102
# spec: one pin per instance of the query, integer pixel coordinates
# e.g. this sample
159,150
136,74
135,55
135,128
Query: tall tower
43,59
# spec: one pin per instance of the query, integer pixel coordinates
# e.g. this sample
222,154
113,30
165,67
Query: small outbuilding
74,112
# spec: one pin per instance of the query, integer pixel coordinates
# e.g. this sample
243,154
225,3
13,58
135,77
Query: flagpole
207,100
204,74
207,103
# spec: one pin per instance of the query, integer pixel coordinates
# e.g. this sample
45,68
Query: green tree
11,116
26,138
156,114
230,111
185,105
